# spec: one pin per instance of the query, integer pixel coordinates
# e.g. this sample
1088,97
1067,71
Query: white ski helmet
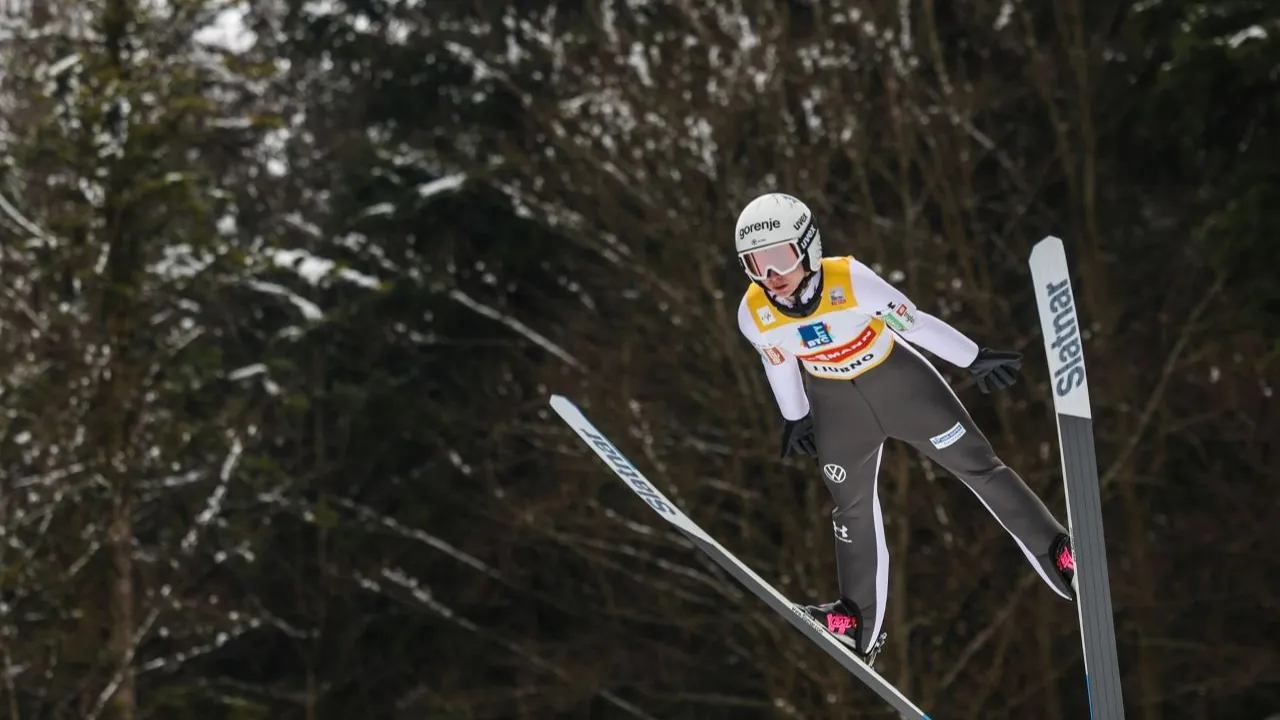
776,232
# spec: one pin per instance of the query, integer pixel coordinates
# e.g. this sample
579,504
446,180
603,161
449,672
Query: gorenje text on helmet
756,227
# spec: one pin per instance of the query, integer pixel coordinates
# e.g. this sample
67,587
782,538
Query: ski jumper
852,365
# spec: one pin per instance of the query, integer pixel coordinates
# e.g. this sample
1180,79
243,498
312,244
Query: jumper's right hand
995,368
797,436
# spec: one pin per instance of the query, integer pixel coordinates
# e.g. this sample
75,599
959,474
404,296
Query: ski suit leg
914,403
850,441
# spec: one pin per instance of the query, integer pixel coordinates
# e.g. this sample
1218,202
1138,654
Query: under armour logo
838,624
842,532
834,473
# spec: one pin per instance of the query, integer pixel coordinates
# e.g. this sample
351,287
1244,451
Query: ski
1064,348
634,479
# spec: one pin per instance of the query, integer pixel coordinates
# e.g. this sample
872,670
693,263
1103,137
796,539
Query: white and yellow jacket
855,327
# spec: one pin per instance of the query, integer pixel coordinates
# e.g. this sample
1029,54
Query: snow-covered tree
149,279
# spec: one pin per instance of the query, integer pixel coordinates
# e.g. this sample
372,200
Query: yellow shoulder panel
762,312
837,286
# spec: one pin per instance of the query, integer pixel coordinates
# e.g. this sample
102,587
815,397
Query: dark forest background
285,287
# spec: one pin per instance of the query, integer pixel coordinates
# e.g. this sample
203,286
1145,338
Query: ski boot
843,621
1064,561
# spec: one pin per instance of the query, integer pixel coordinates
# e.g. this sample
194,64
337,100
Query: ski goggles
781,258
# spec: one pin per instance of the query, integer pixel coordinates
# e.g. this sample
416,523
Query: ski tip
567,410
1046,243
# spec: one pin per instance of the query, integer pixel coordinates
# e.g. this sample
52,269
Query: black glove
797,435
995,368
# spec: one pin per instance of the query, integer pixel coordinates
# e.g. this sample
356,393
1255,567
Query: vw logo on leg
834,473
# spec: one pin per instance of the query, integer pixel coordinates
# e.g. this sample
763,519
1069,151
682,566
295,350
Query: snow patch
440,185
228,31
313,269
309,310
1250,33
247,371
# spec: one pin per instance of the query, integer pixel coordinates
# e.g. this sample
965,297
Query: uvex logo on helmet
757,227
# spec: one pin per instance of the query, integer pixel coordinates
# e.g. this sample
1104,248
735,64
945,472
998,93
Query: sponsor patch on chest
849,359
815,334
846,351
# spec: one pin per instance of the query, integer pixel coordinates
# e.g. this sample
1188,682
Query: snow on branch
10,211
524,330
309,310
369,515
314,269
441,185
213,505
240,626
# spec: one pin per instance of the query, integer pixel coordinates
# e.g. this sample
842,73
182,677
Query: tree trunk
123,703
119,413
117,418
